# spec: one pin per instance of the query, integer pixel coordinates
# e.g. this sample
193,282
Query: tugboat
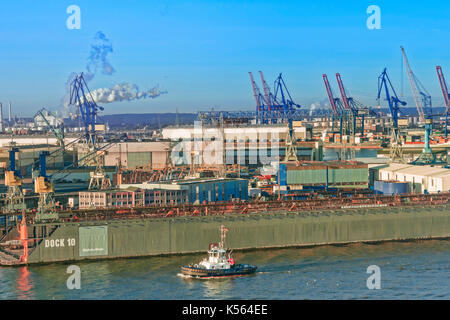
219,264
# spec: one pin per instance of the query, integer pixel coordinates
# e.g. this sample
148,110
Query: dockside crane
286,103
446,95
352,106
259,99
42,186
15,200
81,98
58,132
396,150
422,98
336,105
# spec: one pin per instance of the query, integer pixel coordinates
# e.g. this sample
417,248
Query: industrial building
421,179
268,132
250,145
131,155
201,190
320,174
130,198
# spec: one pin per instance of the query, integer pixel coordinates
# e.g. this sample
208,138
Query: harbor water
408,270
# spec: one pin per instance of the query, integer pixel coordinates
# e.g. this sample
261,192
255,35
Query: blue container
391,187
282,175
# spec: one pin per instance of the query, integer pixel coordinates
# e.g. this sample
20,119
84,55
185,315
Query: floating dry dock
104,234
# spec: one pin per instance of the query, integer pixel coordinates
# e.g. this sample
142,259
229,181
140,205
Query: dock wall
146,237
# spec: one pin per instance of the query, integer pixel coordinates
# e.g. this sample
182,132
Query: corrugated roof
426,171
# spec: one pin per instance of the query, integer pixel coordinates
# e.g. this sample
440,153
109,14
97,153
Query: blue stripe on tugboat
219,263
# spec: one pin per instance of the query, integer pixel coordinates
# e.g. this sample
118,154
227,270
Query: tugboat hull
238,270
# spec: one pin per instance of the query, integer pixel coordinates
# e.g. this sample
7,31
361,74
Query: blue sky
201,51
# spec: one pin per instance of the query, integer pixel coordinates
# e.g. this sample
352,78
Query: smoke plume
97,58
124,92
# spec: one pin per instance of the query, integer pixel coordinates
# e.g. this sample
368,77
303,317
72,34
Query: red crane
267,93
342,90
330,95
445,93
257,94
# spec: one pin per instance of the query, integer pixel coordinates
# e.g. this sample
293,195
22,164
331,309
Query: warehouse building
320,174
421,179
131,155
250,145
201,190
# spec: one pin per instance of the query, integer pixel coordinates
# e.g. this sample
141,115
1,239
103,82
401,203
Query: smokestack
1,117
9,113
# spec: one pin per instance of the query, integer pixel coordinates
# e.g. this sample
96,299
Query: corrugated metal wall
128,238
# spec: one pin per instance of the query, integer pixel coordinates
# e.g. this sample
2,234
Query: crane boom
58,135
342,90
267,93
414,89
256,94
444,87
330,94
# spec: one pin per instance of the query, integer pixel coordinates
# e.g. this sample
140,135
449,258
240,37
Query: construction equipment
348,119
58,132
291,146
283,102
446,95
259,99
277,107
396,151
15,200
42,186
81,97
423,103
336,105
421,96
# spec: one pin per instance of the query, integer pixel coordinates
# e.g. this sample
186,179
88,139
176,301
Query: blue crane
396,152
81,97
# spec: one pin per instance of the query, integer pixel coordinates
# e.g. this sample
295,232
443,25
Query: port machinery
396,149
446,95
81,98
422,99
276,107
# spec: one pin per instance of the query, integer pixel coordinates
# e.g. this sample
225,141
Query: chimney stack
1,117
9,113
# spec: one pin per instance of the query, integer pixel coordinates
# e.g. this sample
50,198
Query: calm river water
409,270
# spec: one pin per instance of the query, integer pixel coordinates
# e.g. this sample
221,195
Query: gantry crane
15,200
277,107
58,132
81,97
396,150
422,98
259,99
336,105
43,187
446,95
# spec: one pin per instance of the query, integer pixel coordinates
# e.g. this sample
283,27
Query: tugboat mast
223,234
